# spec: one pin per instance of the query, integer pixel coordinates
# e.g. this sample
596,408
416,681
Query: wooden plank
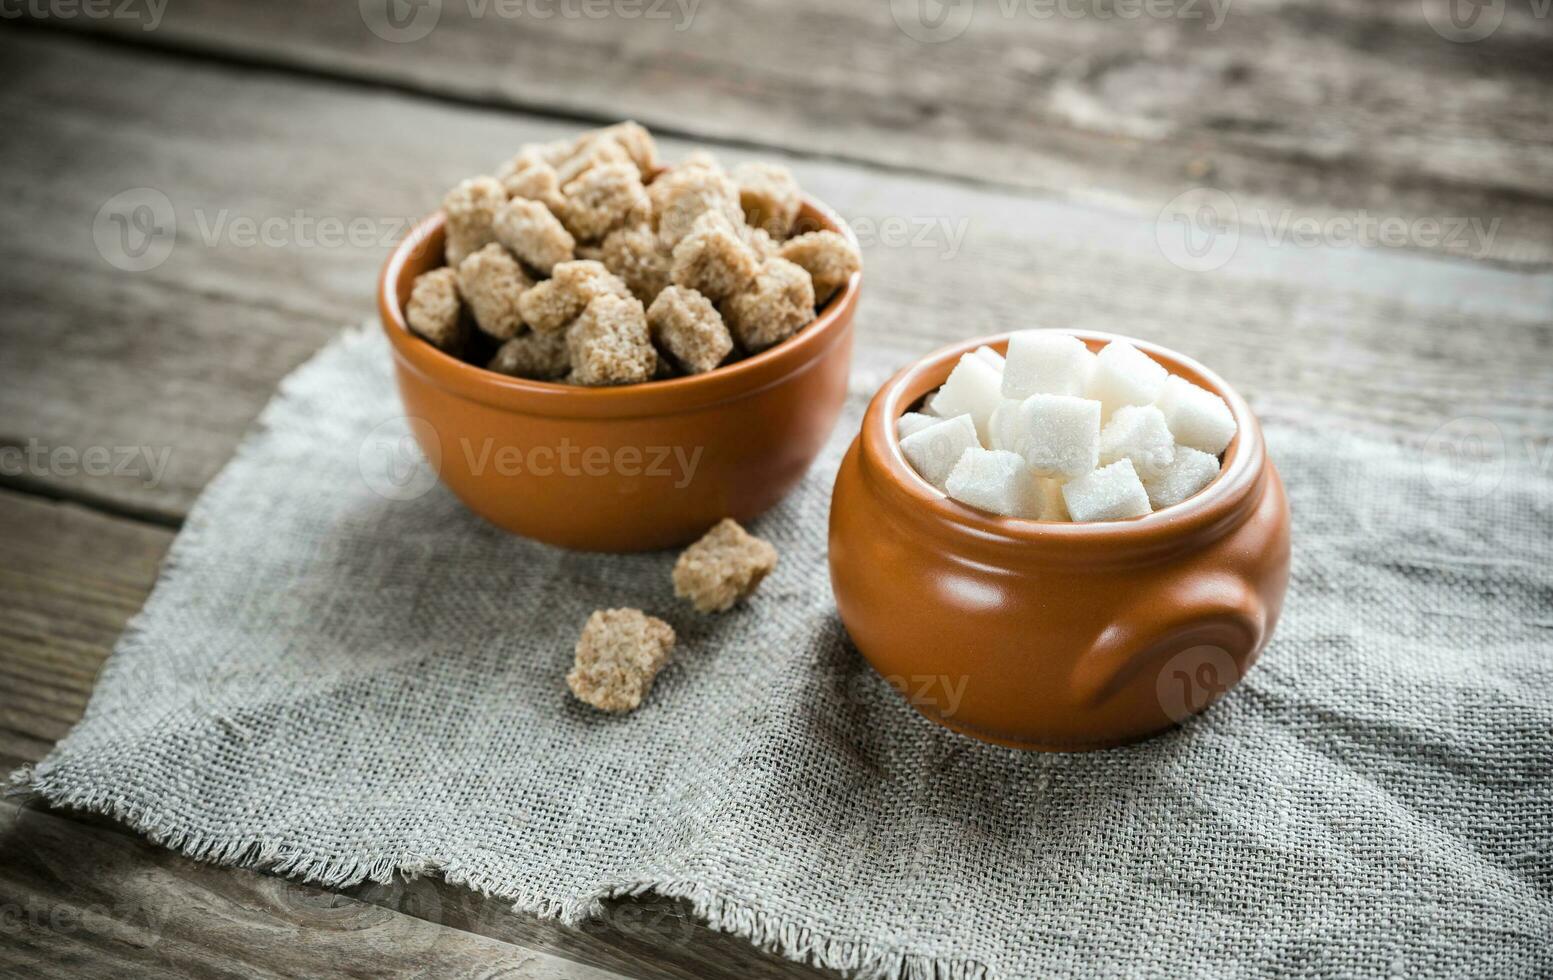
85,901
1338,106
73,579
181,357
644,936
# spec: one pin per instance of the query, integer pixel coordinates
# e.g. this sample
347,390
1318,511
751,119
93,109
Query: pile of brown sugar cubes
582,261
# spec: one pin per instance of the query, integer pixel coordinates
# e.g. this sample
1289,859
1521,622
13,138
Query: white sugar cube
930,406
1053,507
1042,363
1124,375
914,422
934,450
995,480
1138,433
1058,435
1188,473
1003,425
990,356
1197,417
972,389
1110,493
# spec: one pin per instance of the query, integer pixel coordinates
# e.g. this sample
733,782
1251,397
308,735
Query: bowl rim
550,398
1216,509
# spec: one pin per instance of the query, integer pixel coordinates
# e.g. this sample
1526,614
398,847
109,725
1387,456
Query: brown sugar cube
592,152
471,212
492,282
778,304
609,343
713,260
687,325
761,242
528,157
536,155
551,152
536,183
550,305
533,234
618,657
726,565
593,253
603,199
636,255
828,257
700,158
683,194
769,195
536,356
632,137
434,310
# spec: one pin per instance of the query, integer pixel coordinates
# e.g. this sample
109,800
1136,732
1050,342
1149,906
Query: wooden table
1013,169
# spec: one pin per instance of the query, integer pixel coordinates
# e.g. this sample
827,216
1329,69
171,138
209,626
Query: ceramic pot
1046,635
631,468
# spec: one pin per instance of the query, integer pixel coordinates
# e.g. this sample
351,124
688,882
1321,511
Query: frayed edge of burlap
804,941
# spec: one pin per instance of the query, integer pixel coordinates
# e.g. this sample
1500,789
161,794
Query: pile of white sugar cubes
1056,432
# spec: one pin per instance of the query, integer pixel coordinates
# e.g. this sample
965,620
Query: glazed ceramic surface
630,468
1049,635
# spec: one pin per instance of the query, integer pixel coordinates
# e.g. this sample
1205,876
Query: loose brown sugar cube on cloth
618,656
726,565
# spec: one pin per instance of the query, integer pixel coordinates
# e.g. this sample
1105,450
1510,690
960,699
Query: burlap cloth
341,683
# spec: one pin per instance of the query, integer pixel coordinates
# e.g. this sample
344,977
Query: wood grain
71,581
1335,105
86,901
180,358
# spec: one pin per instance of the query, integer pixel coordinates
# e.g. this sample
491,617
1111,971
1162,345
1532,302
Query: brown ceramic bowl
631,468
1061,637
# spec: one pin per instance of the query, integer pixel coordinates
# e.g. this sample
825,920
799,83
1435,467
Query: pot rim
1213,511
650,398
